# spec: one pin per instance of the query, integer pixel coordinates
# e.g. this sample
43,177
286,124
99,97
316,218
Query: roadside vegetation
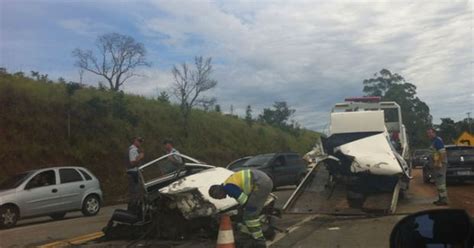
45,123
415,112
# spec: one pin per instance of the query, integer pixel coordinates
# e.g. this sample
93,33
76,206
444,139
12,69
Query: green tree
217,108
61,80
278,116
448,130
415,113
248,115
381,83
163,97
465,125
35,75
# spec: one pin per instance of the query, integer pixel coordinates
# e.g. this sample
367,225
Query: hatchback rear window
86,175
69,175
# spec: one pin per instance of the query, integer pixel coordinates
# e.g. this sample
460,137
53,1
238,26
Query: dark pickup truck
460,164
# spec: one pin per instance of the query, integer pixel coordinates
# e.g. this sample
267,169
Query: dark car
238,163
283,168
420,157
460,164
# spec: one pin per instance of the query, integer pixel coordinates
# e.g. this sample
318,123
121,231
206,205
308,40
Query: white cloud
312,53
85,27
150,82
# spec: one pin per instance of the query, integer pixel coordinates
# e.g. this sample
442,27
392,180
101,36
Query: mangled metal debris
176,204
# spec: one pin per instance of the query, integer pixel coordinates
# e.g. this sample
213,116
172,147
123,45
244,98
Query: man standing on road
251,189
439,166
135,157
175,158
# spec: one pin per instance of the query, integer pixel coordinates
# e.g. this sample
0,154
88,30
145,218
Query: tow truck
361,168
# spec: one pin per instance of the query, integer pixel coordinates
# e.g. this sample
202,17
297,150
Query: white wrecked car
187,187
176,204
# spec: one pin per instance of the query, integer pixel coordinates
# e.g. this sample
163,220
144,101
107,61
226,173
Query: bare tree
206,103
189,84
116,60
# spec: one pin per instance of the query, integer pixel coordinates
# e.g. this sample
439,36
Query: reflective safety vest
239,185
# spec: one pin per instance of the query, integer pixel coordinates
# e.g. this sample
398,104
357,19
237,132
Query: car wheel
91,205
9,215
57,216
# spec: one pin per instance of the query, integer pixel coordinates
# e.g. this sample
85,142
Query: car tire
58,216
91,205
9,215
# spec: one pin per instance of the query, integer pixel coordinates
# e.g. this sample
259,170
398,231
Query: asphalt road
38,231
340,232
304,230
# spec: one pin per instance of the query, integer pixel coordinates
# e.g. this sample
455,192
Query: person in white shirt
135,157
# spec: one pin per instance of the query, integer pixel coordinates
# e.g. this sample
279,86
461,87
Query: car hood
372,154
190,194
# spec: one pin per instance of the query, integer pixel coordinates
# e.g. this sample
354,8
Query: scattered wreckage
360,168
176,205
362,164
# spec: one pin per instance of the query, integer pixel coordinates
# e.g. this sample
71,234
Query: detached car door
40,195
296,166
72,187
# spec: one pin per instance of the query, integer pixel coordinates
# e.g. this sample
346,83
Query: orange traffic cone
225,239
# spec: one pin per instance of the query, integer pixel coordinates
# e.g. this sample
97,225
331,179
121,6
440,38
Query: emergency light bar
364,99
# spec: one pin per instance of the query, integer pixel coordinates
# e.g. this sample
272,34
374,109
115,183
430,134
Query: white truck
363,164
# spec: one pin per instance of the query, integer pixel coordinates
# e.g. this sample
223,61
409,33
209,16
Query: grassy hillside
33,130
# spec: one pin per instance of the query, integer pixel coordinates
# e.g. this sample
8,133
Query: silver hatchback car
49,192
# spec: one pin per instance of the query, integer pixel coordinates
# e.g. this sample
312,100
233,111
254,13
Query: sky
311,54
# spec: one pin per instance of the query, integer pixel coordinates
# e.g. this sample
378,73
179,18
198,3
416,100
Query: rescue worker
439,167
135,157
251,188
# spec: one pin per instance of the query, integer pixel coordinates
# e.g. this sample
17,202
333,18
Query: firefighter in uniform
251,188
439,167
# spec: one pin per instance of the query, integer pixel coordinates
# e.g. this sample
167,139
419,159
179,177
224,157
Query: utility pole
81,73
469,121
